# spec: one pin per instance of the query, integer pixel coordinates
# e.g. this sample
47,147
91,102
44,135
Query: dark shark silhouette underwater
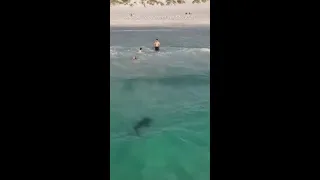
144,122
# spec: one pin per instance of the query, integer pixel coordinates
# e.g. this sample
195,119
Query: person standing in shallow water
156,45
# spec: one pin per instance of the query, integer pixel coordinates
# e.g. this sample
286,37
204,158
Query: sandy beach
162,16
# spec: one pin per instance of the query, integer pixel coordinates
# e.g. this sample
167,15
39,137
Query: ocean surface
172,87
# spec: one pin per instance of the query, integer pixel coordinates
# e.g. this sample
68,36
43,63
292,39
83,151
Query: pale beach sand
162,16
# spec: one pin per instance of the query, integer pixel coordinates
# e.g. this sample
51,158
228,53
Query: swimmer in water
134,58
140,50
156,45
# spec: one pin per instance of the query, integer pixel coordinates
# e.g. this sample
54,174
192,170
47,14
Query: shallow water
172,88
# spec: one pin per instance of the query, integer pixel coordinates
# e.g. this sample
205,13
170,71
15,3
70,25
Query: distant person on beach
140,50
156,45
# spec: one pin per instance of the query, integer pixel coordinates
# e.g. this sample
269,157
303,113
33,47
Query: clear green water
172,88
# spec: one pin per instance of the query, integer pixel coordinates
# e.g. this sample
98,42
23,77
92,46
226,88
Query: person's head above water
140,48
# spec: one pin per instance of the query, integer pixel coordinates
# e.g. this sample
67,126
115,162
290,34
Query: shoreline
182,15
167,25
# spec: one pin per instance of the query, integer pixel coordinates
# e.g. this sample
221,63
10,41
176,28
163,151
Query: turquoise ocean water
172,87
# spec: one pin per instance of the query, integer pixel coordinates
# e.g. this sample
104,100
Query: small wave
144,30
205,50
194,51
115,50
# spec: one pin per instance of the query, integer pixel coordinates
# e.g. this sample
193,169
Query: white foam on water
205,50
142,30
147,51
